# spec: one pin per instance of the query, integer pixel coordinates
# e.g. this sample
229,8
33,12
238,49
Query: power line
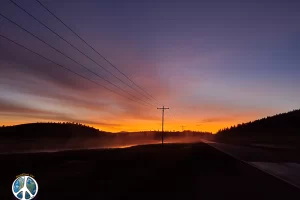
68,69
74,60
77,49
178,113
171,121
96,51
173,118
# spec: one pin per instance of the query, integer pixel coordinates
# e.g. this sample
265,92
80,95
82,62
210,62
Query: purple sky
214,63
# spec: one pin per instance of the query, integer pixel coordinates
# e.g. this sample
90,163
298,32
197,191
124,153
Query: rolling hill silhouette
50,130
37,137
283,127
73,130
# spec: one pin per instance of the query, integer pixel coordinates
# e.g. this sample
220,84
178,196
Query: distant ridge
285,124
49,130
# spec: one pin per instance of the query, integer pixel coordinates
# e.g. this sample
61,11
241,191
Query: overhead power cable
73,60
45,7
68,69
47,27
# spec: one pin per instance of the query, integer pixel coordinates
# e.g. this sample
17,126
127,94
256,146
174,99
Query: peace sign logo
25,188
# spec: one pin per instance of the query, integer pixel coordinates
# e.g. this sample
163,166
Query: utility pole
162,124
182,128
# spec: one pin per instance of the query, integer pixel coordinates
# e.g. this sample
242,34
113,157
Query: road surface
176,171
283,163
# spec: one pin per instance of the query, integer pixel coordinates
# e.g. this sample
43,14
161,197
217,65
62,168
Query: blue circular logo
25,187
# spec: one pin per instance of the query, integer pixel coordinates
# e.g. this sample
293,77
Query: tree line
278,125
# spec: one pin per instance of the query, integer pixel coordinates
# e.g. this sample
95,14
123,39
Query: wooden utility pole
182,128
162,124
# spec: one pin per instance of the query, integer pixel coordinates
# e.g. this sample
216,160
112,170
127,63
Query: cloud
176,66
43,82
11,110
9,107
209,120
217,119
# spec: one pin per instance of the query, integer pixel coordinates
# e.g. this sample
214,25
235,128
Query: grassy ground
176,171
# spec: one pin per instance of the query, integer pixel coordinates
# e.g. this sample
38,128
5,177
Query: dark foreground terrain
176,171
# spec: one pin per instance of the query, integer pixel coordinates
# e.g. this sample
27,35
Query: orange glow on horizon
133,123
133,126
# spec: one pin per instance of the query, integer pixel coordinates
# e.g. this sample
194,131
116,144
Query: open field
176,171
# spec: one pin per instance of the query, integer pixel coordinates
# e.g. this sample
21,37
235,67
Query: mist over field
49,137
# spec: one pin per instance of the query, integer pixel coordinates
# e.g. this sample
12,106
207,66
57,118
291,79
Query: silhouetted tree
277,125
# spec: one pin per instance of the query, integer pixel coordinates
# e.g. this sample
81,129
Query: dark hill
286,124
49,130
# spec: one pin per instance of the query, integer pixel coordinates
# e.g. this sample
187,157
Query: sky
213,63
